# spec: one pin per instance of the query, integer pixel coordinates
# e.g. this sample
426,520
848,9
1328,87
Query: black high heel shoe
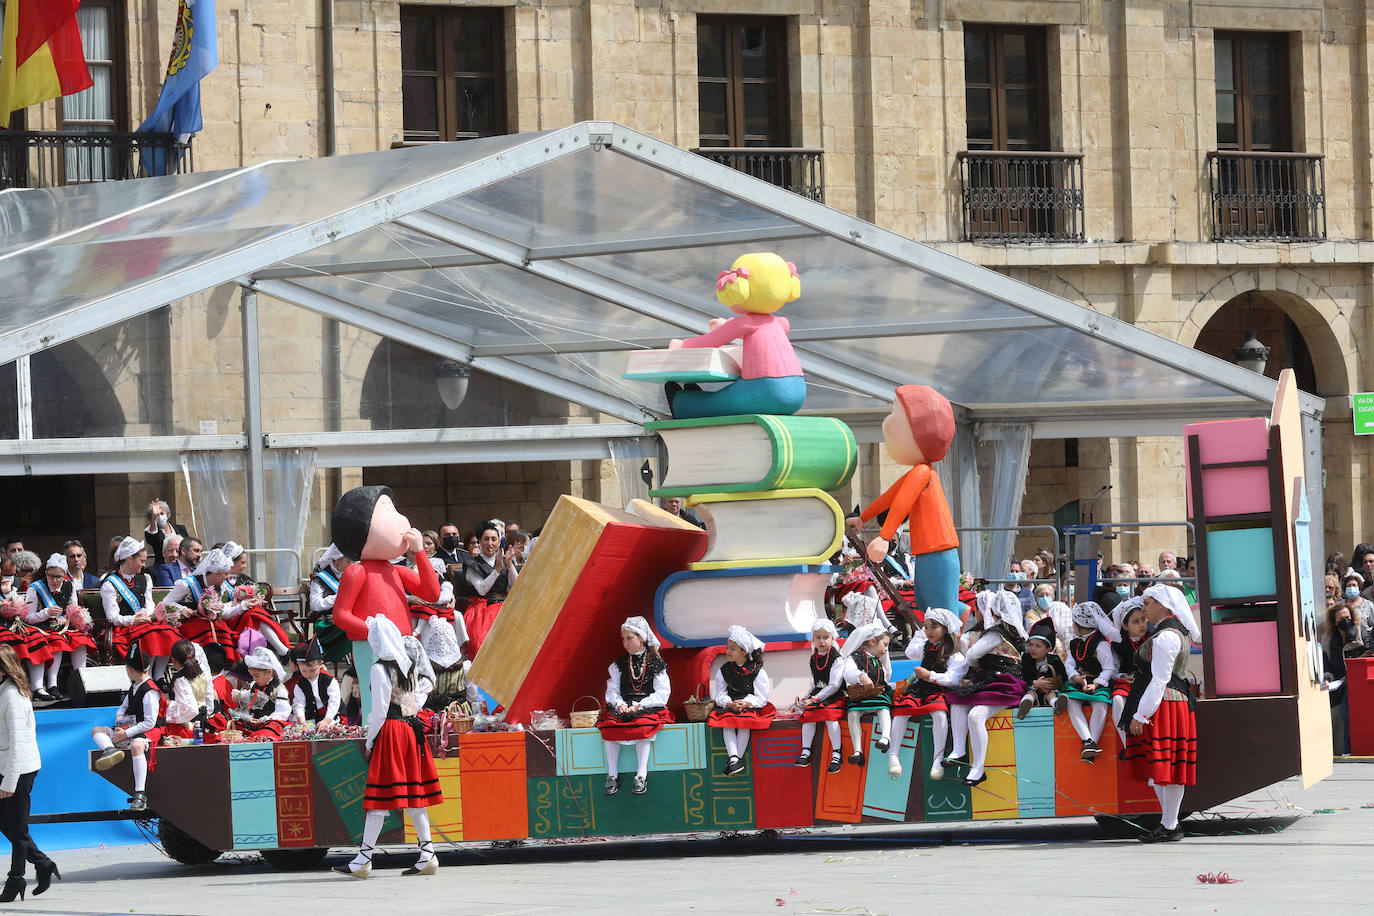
14,887
45,875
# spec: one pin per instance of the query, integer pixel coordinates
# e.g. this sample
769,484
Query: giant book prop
782,528
685,364
751,452
775,603
560,625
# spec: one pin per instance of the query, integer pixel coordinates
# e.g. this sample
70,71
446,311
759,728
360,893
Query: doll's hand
715,323
415,542
675,344
1137,727
877,549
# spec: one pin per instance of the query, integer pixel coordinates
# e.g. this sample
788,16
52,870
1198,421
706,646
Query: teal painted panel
1034,737
562,806
582,752
730,799
885,796
945,799
573,806
1240,563
253,795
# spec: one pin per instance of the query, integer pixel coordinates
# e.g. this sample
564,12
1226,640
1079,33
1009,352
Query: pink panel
1246,658
1232,491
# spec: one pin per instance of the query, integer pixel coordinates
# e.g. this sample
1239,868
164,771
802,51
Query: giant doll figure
918,433
367,527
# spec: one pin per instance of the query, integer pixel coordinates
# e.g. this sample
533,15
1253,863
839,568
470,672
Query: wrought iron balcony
799,170
1021,196
1276,197
49,158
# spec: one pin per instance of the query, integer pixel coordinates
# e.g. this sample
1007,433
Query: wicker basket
697,706
864,691
584,718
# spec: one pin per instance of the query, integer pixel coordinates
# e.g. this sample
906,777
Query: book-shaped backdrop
778,528
685,364
775,603
787,664
752,452
560,625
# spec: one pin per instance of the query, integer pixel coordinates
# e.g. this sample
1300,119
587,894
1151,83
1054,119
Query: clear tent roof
554,253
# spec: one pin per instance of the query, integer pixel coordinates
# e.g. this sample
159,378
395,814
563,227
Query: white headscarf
640,627
418,659
860,636
263,660
1001,607
441,643
945,618
824,624
213,562
1090,614
744,639
127,548
386,642
1062,616
331,553
231,550
57,561
1173,599
860,608
1123,610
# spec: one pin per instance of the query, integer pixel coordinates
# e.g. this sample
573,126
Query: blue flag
195,52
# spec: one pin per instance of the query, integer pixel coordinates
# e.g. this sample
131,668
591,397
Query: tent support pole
252,402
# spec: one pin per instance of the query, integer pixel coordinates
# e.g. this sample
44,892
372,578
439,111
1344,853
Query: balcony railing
1021,196
1276,197
799,170
48,158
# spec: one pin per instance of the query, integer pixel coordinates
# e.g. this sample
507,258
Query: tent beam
379,448
252,421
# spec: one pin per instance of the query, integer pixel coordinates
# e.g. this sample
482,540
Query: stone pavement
1294,851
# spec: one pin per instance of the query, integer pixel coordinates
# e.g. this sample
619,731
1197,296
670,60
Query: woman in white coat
19,764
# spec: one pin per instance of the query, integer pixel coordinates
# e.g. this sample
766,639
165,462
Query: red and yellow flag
40,56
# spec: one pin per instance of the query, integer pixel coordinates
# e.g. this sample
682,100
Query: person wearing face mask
160,526
1361,608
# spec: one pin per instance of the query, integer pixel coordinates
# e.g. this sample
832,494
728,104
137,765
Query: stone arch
1323,324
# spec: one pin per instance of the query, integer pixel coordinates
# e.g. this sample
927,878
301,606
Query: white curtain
1010,443
213,500
92,109
626,460
291,480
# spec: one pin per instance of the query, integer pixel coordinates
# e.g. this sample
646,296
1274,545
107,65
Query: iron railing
799,170
1277,197
1021,196
49,158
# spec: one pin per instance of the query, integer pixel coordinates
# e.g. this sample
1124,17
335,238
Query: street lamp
451,378
1251,354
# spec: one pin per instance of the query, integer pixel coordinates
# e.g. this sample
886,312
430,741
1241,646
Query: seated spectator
13,544
511,528
520,542
164,573
430,540
470,541
160,526
1167,560
76,566
451,546
1363,609
676,505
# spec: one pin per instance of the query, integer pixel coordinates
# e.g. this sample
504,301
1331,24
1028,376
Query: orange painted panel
494,793
1080,788
840,796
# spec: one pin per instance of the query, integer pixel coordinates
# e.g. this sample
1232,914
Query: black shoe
14,887
1162,834
835,762
42,698
1027,703
139,802
734,766
973,782
612,785
856,759
110,757
1061,705
960,761
46,873
641,785
882,745
804,760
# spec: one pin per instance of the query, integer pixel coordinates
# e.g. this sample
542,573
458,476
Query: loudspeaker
103,686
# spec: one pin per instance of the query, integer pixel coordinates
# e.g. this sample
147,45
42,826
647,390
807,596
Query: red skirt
270,731
80,640
644,725
481,614
749,718
424,612
904,704
176,730
400,771
1166,750
155,639
1121,688
831,710
254,617
40,647
16,642
198,630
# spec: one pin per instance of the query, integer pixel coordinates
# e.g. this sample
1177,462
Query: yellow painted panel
996,798
445,818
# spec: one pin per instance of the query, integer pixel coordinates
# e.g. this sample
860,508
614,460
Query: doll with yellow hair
770,381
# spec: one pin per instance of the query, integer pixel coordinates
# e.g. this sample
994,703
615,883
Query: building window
742,81
103,107
1253,111
1005,88
453,73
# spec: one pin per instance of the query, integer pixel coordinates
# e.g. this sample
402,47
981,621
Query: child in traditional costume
315,693
400,769
324,588
740,690
868,665
1091,667
138,726
987,679
247,609
935,650
637,691
826,701
1042,670
192,695
1159,712
268,708
126,593
443,644
198,601
52,603
1129,619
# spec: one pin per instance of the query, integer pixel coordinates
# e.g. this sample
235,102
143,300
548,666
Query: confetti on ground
1219,878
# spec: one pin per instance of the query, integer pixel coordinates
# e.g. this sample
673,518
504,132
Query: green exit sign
1362,408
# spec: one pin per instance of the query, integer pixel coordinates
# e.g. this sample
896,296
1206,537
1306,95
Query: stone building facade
1139,93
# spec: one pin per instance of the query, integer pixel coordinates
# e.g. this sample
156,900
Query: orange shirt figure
918,432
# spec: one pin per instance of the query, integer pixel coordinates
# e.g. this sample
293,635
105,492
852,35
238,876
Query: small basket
697,706
864,691
584,718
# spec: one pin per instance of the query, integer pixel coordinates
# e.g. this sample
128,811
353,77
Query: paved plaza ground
1295,851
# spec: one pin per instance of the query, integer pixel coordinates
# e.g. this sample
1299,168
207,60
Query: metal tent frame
543,258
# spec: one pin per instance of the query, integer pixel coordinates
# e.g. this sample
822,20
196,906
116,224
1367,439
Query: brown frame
734,81
1245,178
119,66
1036,38
446,74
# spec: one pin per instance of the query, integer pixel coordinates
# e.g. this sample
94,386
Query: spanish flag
40,56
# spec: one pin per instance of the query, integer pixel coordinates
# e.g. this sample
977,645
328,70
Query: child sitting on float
1091,668
740,690
315,693
268,708
826,701
935,650
637,691
869,666
138,727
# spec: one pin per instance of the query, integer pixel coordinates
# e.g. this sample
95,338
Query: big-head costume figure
367,527
918,433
